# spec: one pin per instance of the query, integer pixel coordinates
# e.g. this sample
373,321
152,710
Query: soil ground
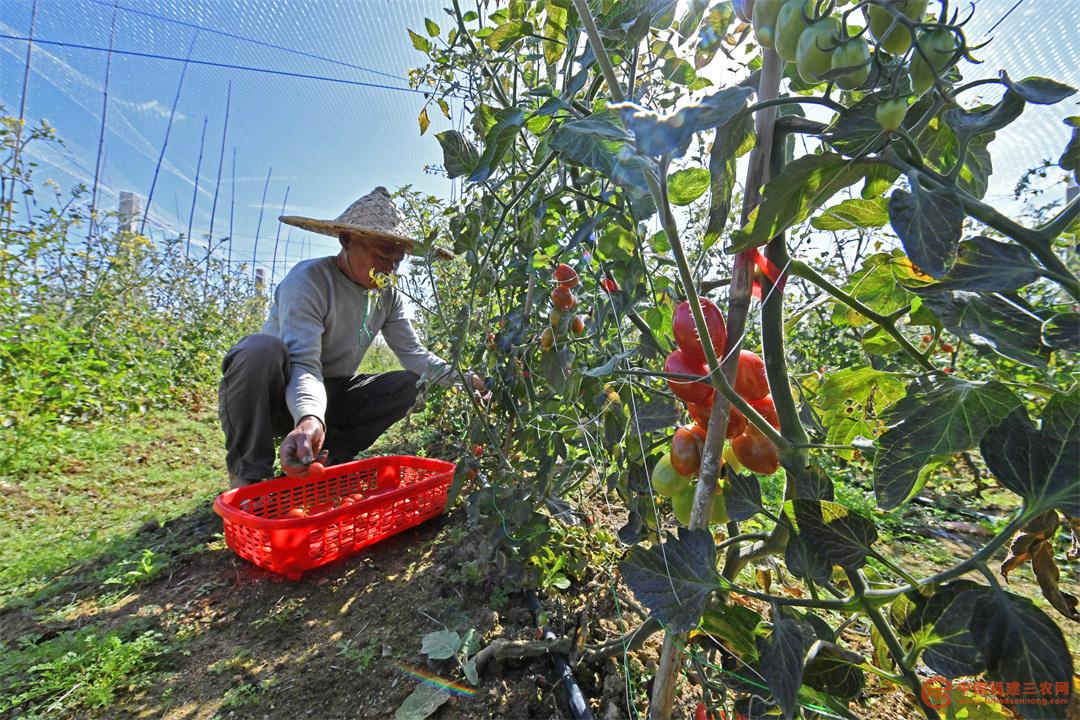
344,641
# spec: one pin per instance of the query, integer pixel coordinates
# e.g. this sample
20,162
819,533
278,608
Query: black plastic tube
579,709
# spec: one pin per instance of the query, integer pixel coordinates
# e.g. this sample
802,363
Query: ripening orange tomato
756,452
566,276
686,390
736,423
767,410
296,512
685,452
562,298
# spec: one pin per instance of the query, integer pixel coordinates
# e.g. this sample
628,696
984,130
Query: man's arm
300,317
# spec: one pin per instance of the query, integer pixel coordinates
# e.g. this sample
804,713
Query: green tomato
814,54
765,13
683,502
853,56
890,113
897,40
665,480
939,46
790,25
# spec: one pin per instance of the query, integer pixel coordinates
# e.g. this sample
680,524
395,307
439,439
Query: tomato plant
588,123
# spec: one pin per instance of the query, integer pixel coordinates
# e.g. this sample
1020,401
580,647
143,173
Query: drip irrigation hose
579,708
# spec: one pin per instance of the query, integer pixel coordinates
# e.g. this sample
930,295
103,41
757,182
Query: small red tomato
736,423
927,338
566,276
700,431
609,285
686,333
686,390
701,712
478,450
296,512
562,298
767,409
948,370
701,412
577,325
750,380
947,347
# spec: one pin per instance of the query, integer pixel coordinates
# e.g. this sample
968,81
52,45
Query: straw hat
375,216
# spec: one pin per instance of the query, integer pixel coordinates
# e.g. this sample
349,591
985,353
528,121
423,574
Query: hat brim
333,228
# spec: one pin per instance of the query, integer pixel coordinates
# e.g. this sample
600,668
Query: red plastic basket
390,494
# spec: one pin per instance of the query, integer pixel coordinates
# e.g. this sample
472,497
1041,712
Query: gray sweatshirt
328,322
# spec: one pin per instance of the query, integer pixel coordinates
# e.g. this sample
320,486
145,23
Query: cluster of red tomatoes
562,301
748,445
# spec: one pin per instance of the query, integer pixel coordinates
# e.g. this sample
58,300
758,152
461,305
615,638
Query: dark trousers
251,404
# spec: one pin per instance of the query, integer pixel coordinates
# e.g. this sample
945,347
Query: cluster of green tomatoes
825,48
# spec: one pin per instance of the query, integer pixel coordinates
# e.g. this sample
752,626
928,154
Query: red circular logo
937,692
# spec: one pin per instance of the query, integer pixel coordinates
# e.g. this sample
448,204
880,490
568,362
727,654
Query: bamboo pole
221,159
101,136
258,225
232,204
217,183
168,130
22,114
195,194
277,238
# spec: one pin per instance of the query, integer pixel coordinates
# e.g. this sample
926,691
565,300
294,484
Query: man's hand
479,388
303,446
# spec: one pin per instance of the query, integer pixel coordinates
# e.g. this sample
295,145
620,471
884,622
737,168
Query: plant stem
597,43
858,584
801,269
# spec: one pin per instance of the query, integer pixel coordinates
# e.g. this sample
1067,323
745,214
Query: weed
246,695
75,671
362,657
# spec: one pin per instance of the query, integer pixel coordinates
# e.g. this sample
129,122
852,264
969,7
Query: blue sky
329,142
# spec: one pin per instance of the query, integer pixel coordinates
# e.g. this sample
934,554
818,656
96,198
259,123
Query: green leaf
968,124
735,625
864,392
497,141
554,31
673,580
1062,332
441,644
1041,465
670,135
733,138
941,622
507,34
929,223
687,185
1039,90
690,20
941,148
420,42
837,534
938,416
802,187
986,265
656,414
991,324
851,214
432,27
832,669
802,559
1070,158
781,663
600,143
459,155
1020,643
742,496
875,285
421,702
713,31
811,482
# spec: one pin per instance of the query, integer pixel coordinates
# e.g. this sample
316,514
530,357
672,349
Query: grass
76,670
88,489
